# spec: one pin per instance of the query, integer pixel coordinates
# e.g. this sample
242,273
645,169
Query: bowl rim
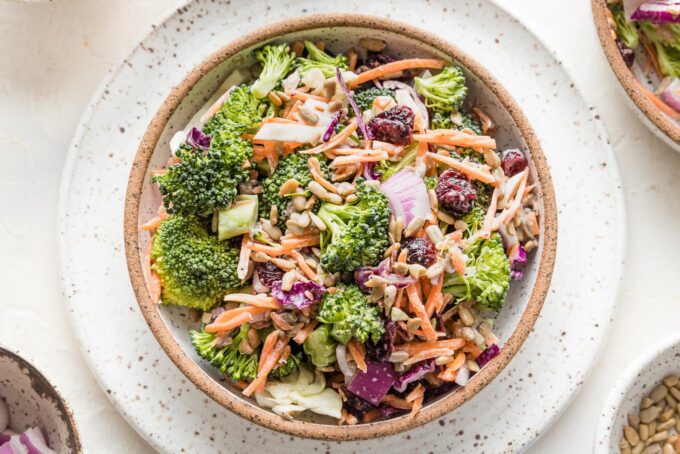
659,119
238,404
612,406
39,379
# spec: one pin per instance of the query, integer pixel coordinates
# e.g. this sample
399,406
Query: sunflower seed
644,432
668,449
413,324
652,449
335,105
671,380
659,436
631,435
658,394
666,424
318,223
416,270
398,315
329,88
398,357
435,270
260,257
443,360
466,316
345,189
274,215
675,392
286,265
633,419
413,226
372,44
646,403
308,115
400,267
650,414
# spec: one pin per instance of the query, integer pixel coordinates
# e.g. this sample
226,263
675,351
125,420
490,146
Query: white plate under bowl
511,412
637,381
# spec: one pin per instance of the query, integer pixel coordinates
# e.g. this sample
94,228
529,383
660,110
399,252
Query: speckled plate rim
35,374
264,417
661,125
603,433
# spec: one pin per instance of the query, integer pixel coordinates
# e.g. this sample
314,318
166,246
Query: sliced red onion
407,195
197,139
357,112
658,11
671,94
463,376
4,438
629,7
396,84
14,446
34,440
369,171
297,297
346,368
331,126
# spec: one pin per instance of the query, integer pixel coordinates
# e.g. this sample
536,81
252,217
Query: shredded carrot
662,106
298,95
472,350
290,242
269,362
451,371
272,251
392,150
474,171
417,405
433,295
244,258
154,283
305,332
419,309
152,224
509,212
396,402
427,354
344,160
335,140
395,67
402,256
237,320
267,347
651,54
532,223
358,354
291,109
415,347
302,264
254,300
457,260
275,120
371,415
400,296
456,138
416,393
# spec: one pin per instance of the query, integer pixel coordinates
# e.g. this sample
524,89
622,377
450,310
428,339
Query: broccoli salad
342,229
649,32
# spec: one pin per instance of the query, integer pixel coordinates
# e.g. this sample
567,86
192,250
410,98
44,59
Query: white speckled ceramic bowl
638,380
33,401
170,325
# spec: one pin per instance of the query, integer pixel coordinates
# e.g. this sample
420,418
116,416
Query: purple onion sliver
331,126
357,112
197,139
296,297
487,355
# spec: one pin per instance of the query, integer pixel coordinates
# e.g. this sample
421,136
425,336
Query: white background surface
52,57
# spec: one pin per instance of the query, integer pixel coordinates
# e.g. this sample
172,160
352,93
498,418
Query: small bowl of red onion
34,418
639,38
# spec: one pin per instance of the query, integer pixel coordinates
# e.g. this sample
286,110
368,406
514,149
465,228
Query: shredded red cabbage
415,373
373,385
297,297
658,11
197,139
369,171
517,267
331,126
384,270
357,112
487,355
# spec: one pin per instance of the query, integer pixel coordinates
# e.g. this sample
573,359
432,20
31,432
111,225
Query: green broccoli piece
195,268
320,346
231,361
389,168
443,92
292,166
667,47
316,58
356,233
431,182
487,277
351,315
242,111
364,97
625,30
276,61
444,121
474,220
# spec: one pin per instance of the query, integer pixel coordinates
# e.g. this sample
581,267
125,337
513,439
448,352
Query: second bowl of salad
340,227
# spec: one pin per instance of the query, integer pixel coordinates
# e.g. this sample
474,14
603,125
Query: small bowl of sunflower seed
642,413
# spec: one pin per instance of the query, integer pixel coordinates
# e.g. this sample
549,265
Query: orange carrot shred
395,67
419,309
358,353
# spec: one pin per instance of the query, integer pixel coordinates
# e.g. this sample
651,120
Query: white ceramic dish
506,416
637,381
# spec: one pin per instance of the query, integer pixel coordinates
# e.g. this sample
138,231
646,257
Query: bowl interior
483,92
637,382
33,401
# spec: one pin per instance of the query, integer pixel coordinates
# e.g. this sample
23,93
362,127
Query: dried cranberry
455,193
395,125
267,272
626,52
420,251
373,60
356,405
513,162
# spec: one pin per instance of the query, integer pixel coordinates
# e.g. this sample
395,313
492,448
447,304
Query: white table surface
53,56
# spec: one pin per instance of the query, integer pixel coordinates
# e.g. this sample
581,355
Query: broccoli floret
487,276
241,110
443,92
356,233
389,168
231,361
364,98
276,61
320,346
292,166
668,50
444,121
195,268
625,30
351,315
431,182
316,58
474,220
